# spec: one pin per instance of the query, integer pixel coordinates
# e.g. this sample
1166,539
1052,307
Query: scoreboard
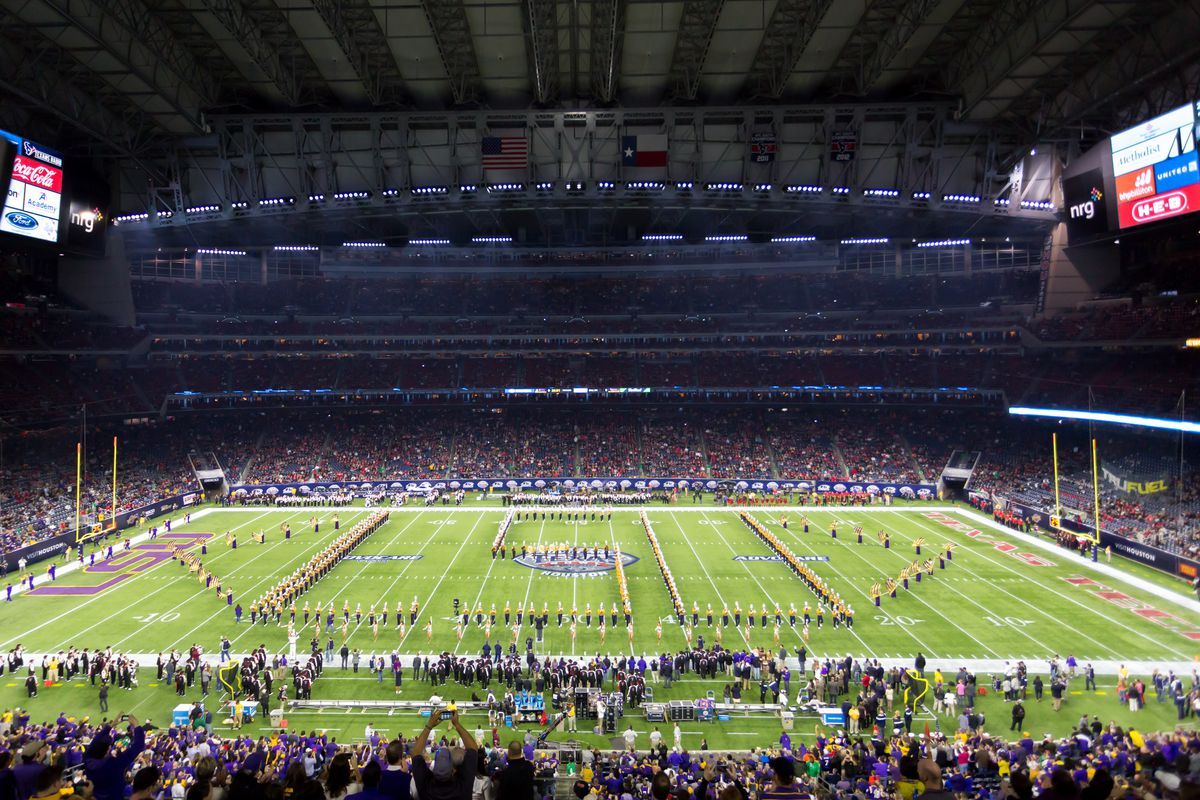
1155,170
34,189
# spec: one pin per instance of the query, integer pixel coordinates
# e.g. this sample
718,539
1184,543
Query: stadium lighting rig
468,188
662,237
684,186
239,205
946,243
727,237
427,190
277,201
295,248
209,209
644,186
921,195
426,242
492,239
803,189
1158,423
364,244
875,240
792,239
723,186
762,188
972,199
889,193
351,195
210,251
841,190
500,188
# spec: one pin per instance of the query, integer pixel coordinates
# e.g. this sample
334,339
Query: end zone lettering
127,564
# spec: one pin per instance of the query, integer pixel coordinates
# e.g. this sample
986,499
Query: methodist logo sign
1155,168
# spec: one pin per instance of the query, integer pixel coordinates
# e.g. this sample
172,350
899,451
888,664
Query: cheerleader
658,631
429,630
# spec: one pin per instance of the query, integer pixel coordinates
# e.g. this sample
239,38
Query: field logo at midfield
559,565
126,564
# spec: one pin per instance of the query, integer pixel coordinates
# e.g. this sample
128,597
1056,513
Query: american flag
505,152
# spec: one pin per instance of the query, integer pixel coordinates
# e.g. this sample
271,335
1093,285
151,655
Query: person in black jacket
515,782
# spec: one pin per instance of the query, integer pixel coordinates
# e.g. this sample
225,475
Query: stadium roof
125,71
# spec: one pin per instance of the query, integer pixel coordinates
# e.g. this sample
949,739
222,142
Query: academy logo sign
779,558
557,564
380,559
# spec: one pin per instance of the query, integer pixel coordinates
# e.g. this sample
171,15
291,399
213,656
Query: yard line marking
432,594
482,586
399,575
529,585
704,567
86,603
854,633
943,529
963,595
857,588
358,575
265,578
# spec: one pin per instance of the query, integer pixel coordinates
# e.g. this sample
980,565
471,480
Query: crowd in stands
125,758
852,443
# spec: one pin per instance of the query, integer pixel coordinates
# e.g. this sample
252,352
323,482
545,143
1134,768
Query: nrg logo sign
1087,209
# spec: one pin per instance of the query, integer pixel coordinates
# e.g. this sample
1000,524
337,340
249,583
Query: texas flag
644,150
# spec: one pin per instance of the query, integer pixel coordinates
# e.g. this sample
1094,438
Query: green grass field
998,599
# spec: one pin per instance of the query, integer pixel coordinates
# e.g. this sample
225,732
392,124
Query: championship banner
763,147
843,145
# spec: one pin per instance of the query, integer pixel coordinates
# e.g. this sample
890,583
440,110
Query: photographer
445,780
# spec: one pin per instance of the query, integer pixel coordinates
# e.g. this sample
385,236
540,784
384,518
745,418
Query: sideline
1108,570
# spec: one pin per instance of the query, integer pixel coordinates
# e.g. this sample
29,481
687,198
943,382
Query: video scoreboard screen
1155,168
34,191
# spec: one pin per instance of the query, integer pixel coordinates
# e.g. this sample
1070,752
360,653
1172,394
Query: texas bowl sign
557,564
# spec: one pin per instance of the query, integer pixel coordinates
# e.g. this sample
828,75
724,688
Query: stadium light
363,244
202,209
351,195
876,240
492,239
295,248
278,201
881,192
130,218
644,186
209,251
1039,205
684,186
506,187
429,190
239,205
723,186
802,189
1158,423
574,186
426,242
841,190
762,187
467,188
945,243
960,198
921,195
1003,202
316,198
662,237
606,186
545,186
166,214
792,239
729,237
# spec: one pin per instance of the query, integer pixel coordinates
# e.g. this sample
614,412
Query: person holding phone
445,780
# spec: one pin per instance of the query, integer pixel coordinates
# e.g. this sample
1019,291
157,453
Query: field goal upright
209,473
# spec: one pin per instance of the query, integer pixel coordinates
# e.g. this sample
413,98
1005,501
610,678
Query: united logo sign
557,564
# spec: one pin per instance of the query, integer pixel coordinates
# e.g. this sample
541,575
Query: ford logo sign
19,219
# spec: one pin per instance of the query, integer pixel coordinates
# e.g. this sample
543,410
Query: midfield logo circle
560,565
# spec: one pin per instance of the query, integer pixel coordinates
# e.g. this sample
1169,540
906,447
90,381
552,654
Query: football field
1001,597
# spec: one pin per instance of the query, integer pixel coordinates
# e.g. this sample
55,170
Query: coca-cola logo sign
37,174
